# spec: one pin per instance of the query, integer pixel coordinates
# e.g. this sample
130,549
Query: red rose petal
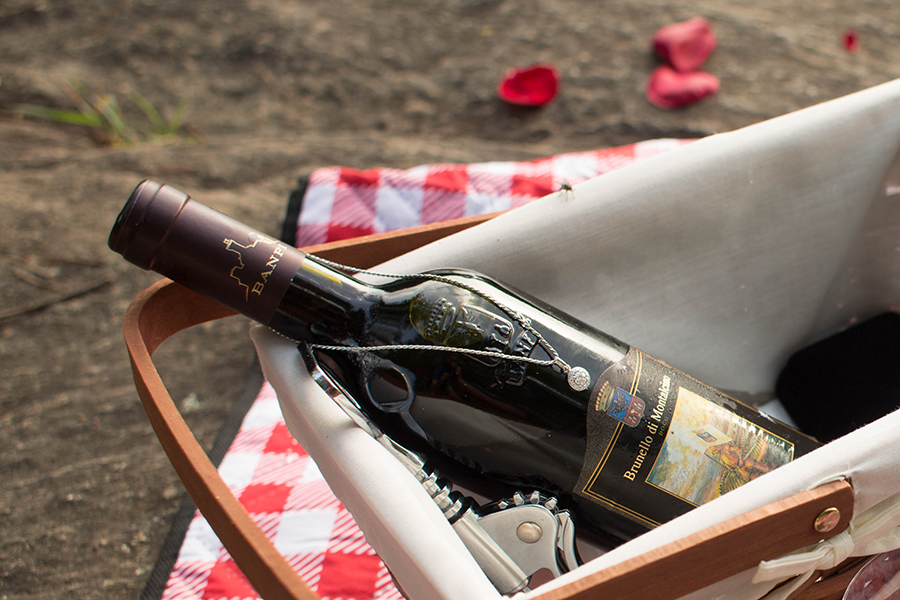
667,88
685,45
851,40
530,86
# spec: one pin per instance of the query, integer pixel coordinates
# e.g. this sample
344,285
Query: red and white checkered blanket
342,203
266,469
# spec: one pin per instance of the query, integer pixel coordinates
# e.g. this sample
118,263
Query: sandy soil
276,88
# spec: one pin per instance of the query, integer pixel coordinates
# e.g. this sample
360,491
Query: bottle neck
161,229
322,305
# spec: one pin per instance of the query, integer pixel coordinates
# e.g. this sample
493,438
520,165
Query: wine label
660,442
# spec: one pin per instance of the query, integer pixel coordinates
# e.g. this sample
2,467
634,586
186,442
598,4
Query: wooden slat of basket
718,552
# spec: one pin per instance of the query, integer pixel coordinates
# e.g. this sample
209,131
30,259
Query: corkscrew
510,539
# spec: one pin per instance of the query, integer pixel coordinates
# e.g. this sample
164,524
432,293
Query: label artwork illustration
660,442
709,451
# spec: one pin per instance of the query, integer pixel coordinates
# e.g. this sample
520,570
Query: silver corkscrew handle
534,532
511,540
500,569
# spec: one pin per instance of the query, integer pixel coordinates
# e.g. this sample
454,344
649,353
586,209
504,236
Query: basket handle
159,312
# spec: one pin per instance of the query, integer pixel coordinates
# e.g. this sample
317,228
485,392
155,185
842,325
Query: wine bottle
491,385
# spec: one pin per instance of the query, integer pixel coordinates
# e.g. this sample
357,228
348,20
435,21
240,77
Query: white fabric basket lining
722,258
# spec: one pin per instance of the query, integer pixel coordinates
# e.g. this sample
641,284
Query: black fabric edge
295,204
165,562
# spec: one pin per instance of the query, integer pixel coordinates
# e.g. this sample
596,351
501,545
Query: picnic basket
833,168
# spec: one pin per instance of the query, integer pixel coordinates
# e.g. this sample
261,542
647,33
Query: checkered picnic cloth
342,203
266,469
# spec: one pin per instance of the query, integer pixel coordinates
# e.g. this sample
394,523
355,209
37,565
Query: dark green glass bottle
497,389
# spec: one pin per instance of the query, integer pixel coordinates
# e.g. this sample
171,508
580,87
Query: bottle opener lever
534,532
511,540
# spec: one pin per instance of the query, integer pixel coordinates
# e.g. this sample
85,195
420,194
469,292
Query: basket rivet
827,520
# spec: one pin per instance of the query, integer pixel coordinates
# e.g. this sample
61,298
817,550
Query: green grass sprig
103,114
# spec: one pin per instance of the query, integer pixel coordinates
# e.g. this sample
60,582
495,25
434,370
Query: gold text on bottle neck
255,285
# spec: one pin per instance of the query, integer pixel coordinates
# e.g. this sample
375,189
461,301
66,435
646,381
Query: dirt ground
275,88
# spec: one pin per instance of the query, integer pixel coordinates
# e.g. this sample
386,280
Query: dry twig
56,298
